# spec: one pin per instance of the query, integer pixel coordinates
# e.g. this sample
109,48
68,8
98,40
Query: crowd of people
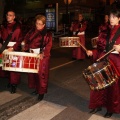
108,39
11,38
37,37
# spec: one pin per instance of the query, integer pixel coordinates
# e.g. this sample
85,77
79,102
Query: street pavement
67,97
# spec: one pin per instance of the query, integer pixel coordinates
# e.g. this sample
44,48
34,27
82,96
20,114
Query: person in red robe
41,39
13,45
78,29
110,96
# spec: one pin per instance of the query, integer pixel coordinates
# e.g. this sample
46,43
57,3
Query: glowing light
69,1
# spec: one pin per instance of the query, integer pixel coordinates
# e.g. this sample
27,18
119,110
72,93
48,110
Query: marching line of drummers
99,75
28,53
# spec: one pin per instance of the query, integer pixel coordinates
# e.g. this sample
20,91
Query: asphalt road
67,97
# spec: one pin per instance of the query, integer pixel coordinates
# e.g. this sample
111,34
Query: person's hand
23,46
23,42
89,53
41,56
10,49
117,48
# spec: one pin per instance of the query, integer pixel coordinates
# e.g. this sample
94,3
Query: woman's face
39,25
80,17
114,20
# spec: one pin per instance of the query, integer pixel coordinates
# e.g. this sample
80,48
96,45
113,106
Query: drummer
78,29
39,38
13,45
109,97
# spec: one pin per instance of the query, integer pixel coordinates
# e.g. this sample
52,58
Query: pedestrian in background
78,29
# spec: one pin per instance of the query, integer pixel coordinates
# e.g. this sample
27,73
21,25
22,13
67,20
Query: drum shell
100,75
69,42
20,61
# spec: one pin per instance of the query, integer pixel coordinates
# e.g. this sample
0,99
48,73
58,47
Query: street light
67,2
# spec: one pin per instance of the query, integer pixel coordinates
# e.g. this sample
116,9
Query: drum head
95,67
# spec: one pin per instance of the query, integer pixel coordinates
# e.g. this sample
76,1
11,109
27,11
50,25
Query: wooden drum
20,61
69,42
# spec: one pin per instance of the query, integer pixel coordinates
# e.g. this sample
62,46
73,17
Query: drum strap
8,39
109,45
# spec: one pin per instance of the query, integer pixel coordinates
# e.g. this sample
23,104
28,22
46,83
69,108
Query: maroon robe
109,97
14,77
78,29
39,81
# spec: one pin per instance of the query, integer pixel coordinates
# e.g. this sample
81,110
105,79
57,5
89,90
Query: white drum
69,42
20,61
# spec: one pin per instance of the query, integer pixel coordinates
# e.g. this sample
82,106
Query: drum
69,42
94,42
20,61
100,75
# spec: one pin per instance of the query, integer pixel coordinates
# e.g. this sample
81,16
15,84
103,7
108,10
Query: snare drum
94,42
100,75
69,42
20,61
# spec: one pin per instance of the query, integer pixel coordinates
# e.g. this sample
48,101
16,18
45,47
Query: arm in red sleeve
26,40
48,42
95,55
16,37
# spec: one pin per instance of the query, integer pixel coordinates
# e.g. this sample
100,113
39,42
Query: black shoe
13,88
108,114
34,92
93,111
8,85
40,97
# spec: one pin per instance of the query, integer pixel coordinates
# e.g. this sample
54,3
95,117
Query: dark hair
115,12
11,10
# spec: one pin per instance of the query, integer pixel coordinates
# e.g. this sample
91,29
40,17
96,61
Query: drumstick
105,55
82,46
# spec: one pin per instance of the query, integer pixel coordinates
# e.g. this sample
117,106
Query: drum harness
109,48
109,45
8,38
